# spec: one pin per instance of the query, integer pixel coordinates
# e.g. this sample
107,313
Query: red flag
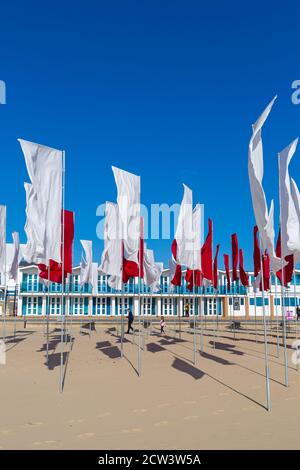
243,275
176,281
191,276
289,268
215,268
226,263
256,252
266,271
206,254
235,256
131,268
56,268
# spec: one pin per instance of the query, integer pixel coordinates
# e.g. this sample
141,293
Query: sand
217,404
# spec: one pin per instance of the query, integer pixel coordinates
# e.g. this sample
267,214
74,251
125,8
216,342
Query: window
101,306
55,306
123,304
31,282
148,305
259,302
167,306
32,306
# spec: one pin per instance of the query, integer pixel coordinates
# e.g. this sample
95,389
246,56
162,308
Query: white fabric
152,270
289,220
196,243
44,166
296,198
13,257
2,240
128,186
263,217
111,260
184,230
94,278
34,228
86,262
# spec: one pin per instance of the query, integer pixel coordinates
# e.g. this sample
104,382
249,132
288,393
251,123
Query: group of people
130,319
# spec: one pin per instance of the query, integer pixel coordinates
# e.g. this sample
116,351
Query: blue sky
165,89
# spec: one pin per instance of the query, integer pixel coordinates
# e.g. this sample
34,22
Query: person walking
162,325
130,321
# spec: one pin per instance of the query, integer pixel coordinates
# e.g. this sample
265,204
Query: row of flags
50,228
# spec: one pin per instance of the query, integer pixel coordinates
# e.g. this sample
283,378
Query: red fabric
243,275
235,256
176,281
191,276
289,268
206,254
215,268
131,268
266,271
56,268
256,252
226,264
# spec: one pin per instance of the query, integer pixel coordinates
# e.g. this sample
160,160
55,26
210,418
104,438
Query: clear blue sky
165,89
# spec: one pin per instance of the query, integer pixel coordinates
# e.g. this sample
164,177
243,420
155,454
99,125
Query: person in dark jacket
130,321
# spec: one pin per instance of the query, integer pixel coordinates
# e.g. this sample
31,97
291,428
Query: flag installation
54,267
175,268
235,256
86,262
44,202
243,275
256,252
264,218
206,254
288,269
184,234
152,270
13,257
112,256
226,264
193,273
128,199
215,268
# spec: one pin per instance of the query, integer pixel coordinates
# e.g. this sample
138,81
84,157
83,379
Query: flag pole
47,314
139,303
255,314
194,310
5,285
63,275
283,290
265,336
276,313
296,320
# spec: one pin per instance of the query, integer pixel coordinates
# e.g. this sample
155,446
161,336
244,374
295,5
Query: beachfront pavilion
30,298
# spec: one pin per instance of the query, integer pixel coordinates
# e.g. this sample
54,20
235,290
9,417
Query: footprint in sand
290,398
36,423
218,412
86,435
74,421
37,443
203,396
133,430
6,431
163,405
141,410
191,418
161,423
223,394
192,402
103,415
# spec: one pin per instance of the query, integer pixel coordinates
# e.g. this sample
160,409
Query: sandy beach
217,404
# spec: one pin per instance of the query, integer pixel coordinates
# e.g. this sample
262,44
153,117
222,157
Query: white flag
196,243
263,217
2,240
34,251
111,260
128,199
86,262
13,257
289,220
94,278
296,198
184,230
44,166
152,270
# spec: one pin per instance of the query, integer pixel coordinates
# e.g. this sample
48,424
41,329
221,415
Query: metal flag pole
47,314
283,290
14,310
255,312
63,276
5,284
194,312
277,319
296,319
265,336
139,302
